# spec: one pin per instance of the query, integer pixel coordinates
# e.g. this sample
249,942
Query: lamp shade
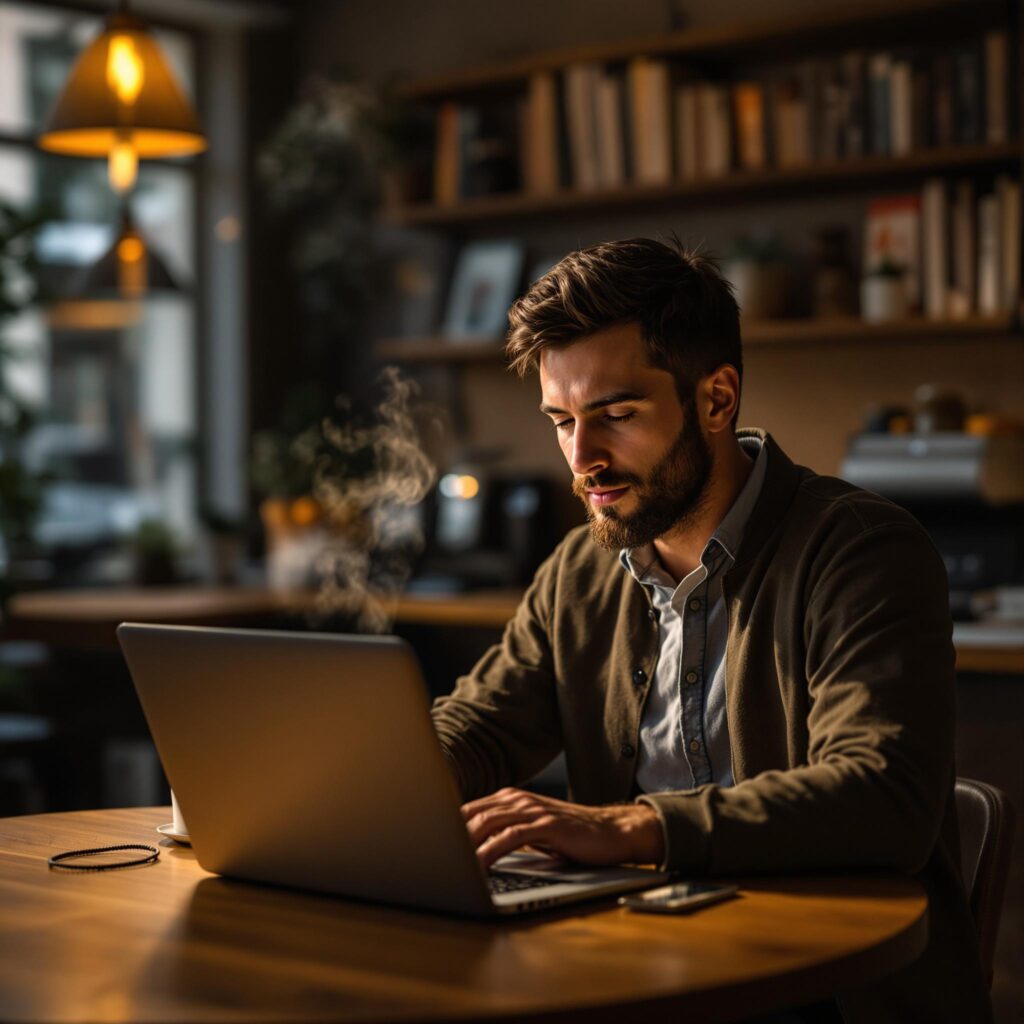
129,269
121,93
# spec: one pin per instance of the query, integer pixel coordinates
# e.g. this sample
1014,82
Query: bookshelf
735,187
943,76
782,332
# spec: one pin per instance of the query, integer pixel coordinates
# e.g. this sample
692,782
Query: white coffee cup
180,828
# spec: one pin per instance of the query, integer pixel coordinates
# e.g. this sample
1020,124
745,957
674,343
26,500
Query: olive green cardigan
840,702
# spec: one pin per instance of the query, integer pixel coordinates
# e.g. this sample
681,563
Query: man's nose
587,456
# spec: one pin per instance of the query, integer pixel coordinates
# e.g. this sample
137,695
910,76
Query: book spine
579,115
748,102
962,293
900,108
989,255
609,131
967,97
687,133
446,154
880,104
542,132
997,118
1008,191
934,246
855,130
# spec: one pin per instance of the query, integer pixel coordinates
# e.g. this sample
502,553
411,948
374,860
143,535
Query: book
880,104
790,123
942,100
540,135
581,117
651,117
920,106
968,112
489,161
748,105
961,298
934,246
447,170
688,134
611,160
892,235
855,132
1008,191
833,106
714,117
989,283
901,132
997,119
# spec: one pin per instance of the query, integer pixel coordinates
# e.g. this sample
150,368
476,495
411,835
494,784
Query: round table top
170,942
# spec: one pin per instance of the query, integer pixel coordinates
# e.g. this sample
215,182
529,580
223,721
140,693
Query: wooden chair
986,820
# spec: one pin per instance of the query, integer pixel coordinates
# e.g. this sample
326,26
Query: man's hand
512,818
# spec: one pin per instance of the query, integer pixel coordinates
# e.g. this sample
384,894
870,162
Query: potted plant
883,292
759,276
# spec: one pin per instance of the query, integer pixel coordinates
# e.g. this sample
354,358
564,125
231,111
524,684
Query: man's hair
683,305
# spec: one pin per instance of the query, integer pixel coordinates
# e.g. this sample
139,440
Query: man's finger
513,838
502,798
491,821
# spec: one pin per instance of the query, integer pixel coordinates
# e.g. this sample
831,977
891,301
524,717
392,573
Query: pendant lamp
123,102
108,294
129,269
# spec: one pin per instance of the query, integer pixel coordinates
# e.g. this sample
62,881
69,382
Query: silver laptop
310,760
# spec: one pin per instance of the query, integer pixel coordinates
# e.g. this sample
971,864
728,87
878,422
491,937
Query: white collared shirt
684,732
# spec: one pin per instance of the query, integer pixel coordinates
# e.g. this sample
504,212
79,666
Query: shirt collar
643,564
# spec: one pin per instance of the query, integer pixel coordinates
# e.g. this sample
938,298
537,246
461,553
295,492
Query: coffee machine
485,528
966,490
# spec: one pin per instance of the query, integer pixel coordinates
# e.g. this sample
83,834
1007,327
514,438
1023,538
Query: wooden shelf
807,331
735,187
842,23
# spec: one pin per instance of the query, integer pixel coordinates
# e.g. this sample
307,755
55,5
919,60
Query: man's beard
672,495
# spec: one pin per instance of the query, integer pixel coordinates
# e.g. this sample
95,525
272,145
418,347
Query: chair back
986,821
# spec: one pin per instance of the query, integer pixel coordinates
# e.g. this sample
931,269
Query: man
749,667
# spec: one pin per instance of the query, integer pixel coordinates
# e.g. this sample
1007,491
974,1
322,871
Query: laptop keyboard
507,881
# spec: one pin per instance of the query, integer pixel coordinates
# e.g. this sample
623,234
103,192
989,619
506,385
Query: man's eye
562,424
619,419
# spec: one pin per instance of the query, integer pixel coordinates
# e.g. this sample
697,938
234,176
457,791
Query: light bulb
122,166
125,71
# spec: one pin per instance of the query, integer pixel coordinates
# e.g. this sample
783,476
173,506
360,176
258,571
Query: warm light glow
125,70
131,266
454,485
122,166
228,228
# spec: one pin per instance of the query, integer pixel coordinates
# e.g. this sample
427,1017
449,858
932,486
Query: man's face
640,463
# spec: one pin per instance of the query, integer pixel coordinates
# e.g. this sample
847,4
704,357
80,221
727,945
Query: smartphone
679,898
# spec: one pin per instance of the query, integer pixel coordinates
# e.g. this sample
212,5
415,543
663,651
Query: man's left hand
512,818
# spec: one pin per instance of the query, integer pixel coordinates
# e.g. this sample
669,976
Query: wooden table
89,618
170,942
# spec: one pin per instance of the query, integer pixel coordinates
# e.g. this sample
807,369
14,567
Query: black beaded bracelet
56,860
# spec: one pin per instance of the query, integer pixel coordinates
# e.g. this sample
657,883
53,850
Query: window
115,396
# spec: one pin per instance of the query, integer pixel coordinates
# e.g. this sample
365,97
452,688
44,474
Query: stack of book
960,251
651,121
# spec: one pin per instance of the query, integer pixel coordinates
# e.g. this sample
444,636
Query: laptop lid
307,760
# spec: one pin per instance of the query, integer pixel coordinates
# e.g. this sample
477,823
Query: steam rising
376,531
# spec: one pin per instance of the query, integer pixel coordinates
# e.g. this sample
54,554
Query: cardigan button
639,677
627,750
652,615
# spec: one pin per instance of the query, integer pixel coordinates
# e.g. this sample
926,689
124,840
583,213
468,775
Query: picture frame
484,283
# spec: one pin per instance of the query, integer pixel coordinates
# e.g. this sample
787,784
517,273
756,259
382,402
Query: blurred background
255,264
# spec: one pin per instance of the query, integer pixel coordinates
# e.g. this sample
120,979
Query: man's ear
720,391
